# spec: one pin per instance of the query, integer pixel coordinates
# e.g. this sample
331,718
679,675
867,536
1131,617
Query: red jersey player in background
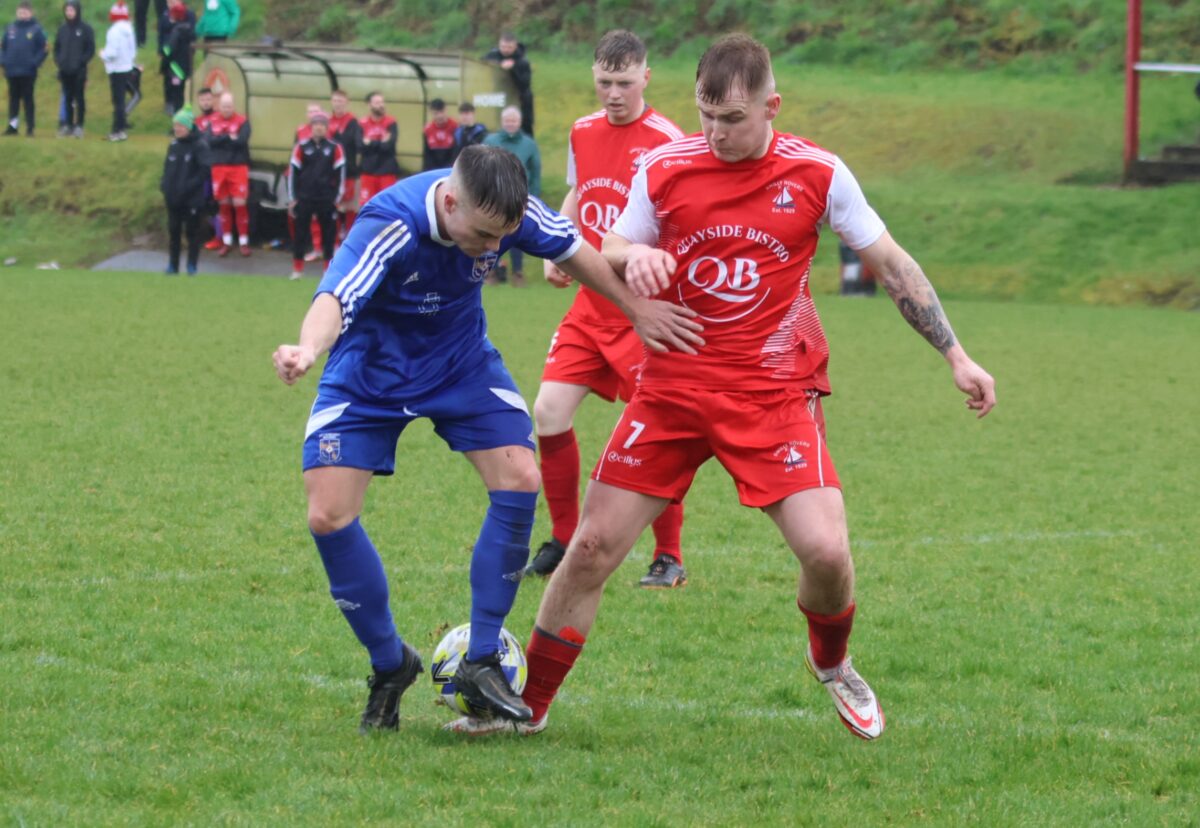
228,136
725,223
595,350
345,129
205,102
377,149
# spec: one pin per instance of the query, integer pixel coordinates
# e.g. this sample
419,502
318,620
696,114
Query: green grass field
169,654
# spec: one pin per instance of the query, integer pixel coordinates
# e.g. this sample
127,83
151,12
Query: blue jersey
412,312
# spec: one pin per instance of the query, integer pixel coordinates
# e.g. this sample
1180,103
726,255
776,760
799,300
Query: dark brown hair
620,49
734,60
493,180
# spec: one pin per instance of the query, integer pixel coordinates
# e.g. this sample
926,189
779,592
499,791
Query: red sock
828,634
315,229
297,265
243,221
560,481
227,222
667,527
550,658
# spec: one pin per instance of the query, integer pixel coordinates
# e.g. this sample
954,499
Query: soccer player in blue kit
400,312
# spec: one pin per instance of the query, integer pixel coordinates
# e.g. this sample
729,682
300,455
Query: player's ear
774,101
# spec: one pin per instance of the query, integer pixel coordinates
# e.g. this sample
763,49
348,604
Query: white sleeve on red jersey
638,222
847,212
571,177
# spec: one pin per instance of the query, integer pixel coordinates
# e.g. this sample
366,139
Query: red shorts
373,185
230,181
605,359
771,442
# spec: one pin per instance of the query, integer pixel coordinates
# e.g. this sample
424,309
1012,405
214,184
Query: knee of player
826,556
526,478
323,520
550,416
592,550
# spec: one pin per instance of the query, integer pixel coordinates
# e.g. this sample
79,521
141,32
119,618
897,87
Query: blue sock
496,567
360,589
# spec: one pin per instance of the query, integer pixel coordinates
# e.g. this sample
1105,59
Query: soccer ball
453,649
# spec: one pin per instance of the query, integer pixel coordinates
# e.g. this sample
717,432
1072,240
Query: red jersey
203,118
601,160
303,133
743,235
440,137
228,139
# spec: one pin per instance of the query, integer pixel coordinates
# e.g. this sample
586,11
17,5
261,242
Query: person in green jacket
511,138
220,20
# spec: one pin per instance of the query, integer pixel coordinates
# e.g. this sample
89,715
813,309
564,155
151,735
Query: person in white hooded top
118,54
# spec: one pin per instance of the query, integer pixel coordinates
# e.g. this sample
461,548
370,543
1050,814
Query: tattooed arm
918,303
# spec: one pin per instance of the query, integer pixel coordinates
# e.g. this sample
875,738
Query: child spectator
74,47
118,54
318,175
184,188
439,137
469,130
22,51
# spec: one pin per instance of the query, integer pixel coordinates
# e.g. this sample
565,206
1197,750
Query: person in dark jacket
22,50
318,177
509,54
177,54
185,177
469,130
74,47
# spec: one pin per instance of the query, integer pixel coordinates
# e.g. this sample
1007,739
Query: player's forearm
591,269
918,303
322,324
616,251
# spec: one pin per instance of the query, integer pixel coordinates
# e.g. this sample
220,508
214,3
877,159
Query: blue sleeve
376,243
546,234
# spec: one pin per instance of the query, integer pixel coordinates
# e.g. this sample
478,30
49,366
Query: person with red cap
119,54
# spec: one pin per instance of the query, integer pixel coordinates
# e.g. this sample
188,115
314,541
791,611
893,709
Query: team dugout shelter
274,83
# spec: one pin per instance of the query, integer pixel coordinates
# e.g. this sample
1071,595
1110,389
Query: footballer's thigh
813,522
335,496
611,523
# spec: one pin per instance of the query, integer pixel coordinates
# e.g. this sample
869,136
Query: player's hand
648,270
292,362
664,326
977,384
555,276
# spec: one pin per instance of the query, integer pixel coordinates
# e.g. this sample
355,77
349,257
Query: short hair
466,106
372,94
734,60
204,90
25,4
620,49
338,93
493,180
508,37
437,105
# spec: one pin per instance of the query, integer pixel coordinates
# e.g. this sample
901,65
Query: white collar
431,211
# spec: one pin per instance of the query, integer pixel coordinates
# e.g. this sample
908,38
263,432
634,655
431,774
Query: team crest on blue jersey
483,265
330,448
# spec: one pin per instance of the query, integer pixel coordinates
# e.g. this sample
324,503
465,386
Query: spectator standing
207,109
511,138
303,133
318,176
118,54
439,137
509,55
22,51
74,47
219,21
469,131
377,149
141,14
228,137
346,130
177,55
184,187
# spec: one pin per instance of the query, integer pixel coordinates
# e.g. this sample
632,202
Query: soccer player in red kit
377,150
345,129
595,350
228,136
725,223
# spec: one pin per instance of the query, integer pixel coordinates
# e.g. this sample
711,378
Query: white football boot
855,701
475,726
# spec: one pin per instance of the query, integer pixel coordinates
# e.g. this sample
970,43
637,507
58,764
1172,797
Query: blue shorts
483,411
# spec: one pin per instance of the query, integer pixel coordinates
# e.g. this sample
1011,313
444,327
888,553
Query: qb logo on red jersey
737,285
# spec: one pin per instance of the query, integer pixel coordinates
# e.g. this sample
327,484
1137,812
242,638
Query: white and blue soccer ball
453,649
